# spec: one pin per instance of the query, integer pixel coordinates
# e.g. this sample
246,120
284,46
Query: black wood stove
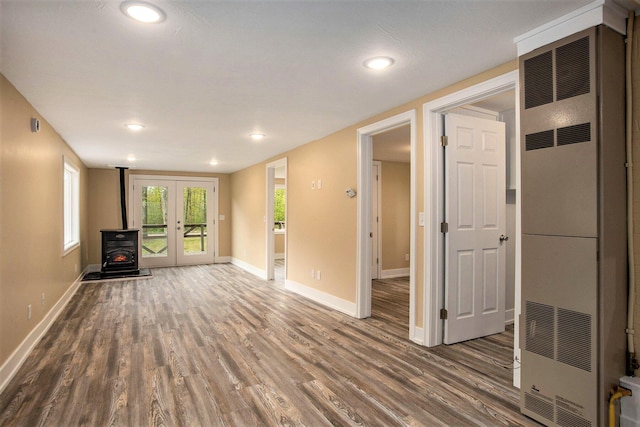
119,252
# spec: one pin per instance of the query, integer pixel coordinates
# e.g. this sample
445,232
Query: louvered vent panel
539,406
538,140
540,327
572,69
574,134
568,419
574,339
538,80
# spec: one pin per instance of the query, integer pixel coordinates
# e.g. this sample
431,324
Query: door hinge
444,227
377,260
371,234
443,313
444,140
376,177
377,219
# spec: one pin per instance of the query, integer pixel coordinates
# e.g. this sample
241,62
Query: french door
176,219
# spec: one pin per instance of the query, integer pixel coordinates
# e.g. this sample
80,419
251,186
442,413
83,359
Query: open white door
375,219
475,192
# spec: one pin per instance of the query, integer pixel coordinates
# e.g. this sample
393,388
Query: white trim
278,255
323,298
595,13
378,224
249,268
222,260
509,316
433,199
395,272
11,366
363,246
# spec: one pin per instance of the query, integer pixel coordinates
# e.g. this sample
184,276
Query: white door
375,220
176,221
475,208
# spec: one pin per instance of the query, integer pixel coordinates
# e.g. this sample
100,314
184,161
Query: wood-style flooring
215,346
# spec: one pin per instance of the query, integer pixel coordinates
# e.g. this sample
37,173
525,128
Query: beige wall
31,259
104,205
396,215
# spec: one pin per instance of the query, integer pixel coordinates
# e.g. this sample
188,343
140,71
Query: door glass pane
195,220
154,221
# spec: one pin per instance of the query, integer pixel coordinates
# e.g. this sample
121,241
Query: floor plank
214,346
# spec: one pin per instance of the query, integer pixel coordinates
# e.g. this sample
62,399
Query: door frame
434,203
364,208
377,186
269,216
133,177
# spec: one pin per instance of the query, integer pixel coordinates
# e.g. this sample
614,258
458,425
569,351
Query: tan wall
104,205
396,215
31,259
321,224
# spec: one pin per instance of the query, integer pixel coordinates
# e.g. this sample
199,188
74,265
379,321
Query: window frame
70,206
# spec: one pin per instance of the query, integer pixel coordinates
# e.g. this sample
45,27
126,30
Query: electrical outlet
406,257
313,273
29,312
42,299
313,185
318,275
319,184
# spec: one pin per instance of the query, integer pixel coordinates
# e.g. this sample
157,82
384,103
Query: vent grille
538,406
567,419
574,134
574,339
538,140
540,329
572,69
538,74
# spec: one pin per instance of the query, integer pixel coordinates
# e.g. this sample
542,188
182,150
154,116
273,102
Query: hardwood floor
214,346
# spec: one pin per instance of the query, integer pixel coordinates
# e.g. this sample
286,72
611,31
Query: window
71,187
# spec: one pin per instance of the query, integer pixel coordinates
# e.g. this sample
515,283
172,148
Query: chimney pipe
123,201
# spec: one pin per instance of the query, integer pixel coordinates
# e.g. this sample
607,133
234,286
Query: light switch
421,219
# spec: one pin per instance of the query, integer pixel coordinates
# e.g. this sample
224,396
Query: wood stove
119,252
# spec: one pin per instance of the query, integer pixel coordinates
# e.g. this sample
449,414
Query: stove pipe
123,199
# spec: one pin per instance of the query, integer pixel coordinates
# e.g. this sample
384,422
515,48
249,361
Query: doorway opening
366,137
276,220
478,96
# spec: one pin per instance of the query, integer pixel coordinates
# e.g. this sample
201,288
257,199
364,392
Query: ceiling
215,71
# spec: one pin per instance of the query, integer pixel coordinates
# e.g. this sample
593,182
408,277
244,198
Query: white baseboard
417,335
222,260
509,316
279,255
11,366
323,298
249,268
394,272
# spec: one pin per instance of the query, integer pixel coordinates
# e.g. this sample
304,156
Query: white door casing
475,191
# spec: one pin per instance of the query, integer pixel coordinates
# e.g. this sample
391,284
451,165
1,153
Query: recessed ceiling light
143,12
131,158
257,136
213,162
134,126
379,62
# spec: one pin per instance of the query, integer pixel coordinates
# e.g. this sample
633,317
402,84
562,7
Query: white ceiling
215,71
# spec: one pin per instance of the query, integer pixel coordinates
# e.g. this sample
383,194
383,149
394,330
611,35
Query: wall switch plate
319,184
221,217
313,185
406,257
421,219
29,311
318,275
313,273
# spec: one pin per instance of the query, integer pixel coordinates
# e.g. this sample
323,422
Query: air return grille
540,329
538,73
567,419
539,406
572,69
538,140
574,339
571,73
574,134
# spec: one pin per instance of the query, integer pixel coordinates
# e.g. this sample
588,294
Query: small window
71,186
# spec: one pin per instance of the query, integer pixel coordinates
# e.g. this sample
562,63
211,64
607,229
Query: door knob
503,238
